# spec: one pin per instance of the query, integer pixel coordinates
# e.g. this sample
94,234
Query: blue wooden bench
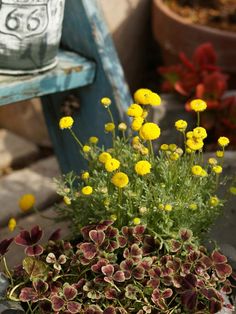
89,69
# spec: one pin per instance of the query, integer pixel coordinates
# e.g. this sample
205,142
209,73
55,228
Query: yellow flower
86,148
168,207
112,164
144,150
174,156
93,140
12,224
87,190
172,147
137,123
217,169
143,210
197,170
104,157
135,140
181,125
195,143
164,147
67,200
198,105
142,167
137,221
105,101
214,201
223,141
113,217
212,161
145,114
193,206
149,131
85,175
189,134
120,179
66,122
154,99
232,190
142,96
220,154
109,127
161,206
200,132
135,110
26,202
122,126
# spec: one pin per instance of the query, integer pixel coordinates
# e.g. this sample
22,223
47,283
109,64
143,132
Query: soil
219,14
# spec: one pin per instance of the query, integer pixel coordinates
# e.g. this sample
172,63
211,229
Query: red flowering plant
111,271
200,77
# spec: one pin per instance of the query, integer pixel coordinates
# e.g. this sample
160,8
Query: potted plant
140,245
195,22
201,77
30,33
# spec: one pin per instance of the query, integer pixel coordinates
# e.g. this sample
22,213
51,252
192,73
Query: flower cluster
202,78
112,271
131,183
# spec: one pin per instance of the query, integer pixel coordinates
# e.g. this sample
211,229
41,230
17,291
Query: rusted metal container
30,32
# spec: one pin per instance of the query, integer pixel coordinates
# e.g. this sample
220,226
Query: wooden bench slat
72,71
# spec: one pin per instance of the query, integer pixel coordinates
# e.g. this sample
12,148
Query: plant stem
151,149
198,118
76,138
7,270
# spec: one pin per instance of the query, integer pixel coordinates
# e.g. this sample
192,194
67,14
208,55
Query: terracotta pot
175,34
30,32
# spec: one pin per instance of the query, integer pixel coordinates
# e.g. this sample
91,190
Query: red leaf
89,250
97,237
69,292
108,270
218,258
73,307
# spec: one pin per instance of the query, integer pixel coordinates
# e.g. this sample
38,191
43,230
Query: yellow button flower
223,141
164,147
122,126
109,127
232,190
85,175
193,206
217,169
149,131
181,125
174,156
198,105
200,132
104,157
87,190
93,140
137,221
120,179
113,217
142,96
67,200
135,110
220,154
145,114
137,124
112,164
136,140
105,101
12,224
172,147
189,134
195,143
66,122
26,202
212,161
168,207
197,170
144,150
142,167
155,99
214,201
86,149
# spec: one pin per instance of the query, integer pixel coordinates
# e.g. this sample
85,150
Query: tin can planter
30,33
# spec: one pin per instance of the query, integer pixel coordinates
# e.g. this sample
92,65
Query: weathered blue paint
85,32
71,72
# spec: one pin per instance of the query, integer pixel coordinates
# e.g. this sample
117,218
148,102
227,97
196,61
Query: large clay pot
175,34
30,32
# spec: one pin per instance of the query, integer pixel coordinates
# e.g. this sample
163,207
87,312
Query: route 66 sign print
24,18
30,32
